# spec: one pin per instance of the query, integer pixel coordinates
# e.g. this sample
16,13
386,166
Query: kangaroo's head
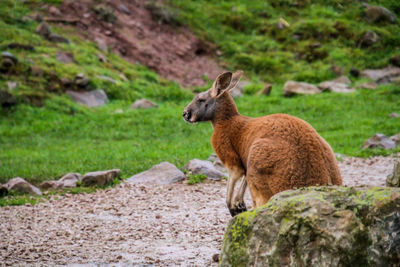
206,105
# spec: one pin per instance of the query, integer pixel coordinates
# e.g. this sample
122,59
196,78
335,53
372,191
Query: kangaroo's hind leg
239,204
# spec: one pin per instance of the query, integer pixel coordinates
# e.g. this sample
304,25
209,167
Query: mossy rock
318,226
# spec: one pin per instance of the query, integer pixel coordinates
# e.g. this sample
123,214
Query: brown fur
275,153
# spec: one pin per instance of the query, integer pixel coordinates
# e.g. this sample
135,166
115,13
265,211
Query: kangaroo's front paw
238,208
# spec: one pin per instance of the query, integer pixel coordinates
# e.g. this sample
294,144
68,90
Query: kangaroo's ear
235,79
221,84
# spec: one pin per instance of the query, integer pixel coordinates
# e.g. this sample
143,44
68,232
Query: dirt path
171,225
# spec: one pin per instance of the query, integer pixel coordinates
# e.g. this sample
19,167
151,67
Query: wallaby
274,153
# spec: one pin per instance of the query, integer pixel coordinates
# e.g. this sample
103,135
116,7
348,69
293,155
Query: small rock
393,180
369,38
196,166
377,14
293,88
3,190
100,178
379,141
336,87
12,85
354,72
101,44
20,185
382,76
66,82
102,58
106,78
93,98
396,139
215,257
69,180
394,115
43,30
395,60
368,85
342,79
55,38
46,185
54,11
10,56
65,57
163,173
81,80
266,90
143,104
124,9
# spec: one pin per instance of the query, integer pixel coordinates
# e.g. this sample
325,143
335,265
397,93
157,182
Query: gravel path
171,225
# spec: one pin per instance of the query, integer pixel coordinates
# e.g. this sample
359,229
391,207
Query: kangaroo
274,153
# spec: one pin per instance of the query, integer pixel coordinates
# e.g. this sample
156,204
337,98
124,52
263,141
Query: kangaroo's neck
226,110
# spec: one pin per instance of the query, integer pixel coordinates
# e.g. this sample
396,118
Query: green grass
195,178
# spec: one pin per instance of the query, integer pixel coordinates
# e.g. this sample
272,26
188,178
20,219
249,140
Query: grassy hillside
322,33
47,135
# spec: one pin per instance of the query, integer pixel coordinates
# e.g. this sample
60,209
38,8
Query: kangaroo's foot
238,208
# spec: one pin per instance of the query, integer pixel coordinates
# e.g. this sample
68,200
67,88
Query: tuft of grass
195,178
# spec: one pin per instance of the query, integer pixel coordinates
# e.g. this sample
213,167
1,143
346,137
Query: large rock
382,76
294,88
163,173
205,167
368,85
67,181
379,141
143,104
21,186
93,98
100,178
394,178
378,14
318,226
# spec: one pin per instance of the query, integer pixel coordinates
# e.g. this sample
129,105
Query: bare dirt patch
135,33
170,225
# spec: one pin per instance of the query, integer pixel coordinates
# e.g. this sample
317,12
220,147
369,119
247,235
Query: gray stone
106,78
368,85
69,180
94,98
342,79
382,76
379,141
217,163
10,56
318,226
196,166
65,57
394,115
369,38
11,85
238,90
81,80
163,173
3,190
55,38
377,14
336,87
143,104
20,185
101,44
396,139
100,178
124,9
393,180
43,29
299,88
46,185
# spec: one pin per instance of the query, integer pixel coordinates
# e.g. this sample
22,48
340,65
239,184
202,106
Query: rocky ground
137,224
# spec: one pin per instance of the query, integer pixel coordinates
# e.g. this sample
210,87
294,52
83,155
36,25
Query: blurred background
72,73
